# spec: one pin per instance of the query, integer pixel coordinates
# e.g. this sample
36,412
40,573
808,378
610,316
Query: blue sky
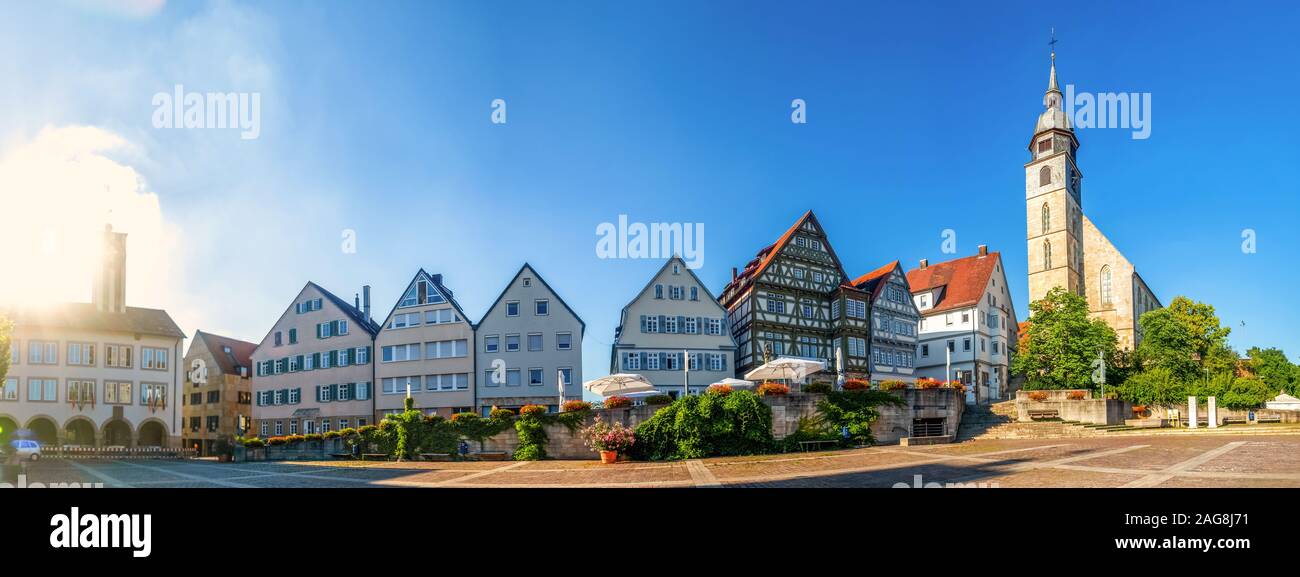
376,118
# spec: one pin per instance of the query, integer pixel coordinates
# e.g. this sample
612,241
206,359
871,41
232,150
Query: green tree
1274,369
1187,339
1058,349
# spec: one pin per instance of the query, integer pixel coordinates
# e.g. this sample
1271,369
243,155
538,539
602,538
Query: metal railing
79,452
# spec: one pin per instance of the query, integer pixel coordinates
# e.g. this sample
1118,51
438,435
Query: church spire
1050,101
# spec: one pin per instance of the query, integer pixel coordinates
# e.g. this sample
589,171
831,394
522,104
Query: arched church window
1047,254
1045,176
1106,293
1047,218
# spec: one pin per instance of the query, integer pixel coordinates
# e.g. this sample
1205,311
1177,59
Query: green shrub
818,388
855,410
312,437
656,400
254,443
706,425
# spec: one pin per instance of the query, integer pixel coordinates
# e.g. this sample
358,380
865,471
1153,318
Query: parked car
27,450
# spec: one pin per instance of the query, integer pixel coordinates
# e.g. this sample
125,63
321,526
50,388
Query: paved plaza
1122,461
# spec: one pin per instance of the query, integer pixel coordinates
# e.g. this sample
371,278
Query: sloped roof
442,289
767,254
85,316
545,285
963,280
358,317
870,282
240,354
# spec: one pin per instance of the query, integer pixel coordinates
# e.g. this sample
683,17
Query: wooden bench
436,456
1234,421
1035,414
493,456
374,456
816,445
1269,420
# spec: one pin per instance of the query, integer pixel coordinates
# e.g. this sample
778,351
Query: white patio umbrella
788,368
839,369
618,384
736,383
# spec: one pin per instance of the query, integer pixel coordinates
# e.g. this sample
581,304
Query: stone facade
217,392
1116,294
1065,248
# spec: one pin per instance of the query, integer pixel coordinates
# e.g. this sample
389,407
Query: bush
295,439
313,437
532,410
855,411
1075,395
277,441
706,425
772,389
254,443
497,414
656,400
818,388
719,389
331,435
575,406
1038,396
860,385
926,384
617,402
348,432
957,386
889,386
367,429
602,436
531,426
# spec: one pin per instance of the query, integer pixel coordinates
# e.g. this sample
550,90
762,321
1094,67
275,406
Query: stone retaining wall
1086,410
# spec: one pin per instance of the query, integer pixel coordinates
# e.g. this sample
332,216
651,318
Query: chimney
365,301
734,273
108,293
925,262
356,301
984,250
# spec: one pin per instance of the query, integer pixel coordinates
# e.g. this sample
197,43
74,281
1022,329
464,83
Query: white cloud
59,189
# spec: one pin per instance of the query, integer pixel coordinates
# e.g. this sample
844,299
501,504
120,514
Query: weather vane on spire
1053,43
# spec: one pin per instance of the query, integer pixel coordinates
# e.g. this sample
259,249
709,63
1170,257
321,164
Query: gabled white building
527,341
674,330
968,324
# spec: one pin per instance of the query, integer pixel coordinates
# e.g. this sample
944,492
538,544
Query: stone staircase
998,421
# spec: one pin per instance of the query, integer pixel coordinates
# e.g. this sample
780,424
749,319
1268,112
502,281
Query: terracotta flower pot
609,457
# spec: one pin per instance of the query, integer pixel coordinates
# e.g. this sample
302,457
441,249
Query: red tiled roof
869,282
964,279
240,354
763,258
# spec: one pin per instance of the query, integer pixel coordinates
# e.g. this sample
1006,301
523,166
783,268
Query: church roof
963,281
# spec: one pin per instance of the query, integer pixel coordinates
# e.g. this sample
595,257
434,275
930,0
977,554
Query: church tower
1053,201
